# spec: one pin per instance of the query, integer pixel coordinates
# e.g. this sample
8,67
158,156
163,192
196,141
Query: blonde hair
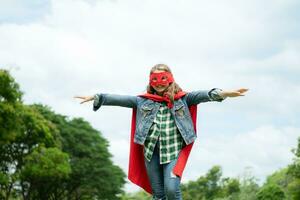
172,89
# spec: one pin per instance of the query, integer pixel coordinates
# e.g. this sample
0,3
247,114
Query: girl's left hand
234,93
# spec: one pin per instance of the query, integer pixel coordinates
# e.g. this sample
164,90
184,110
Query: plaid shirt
165,132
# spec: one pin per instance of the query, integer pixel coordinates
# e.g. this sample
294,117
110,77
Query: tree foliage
93,173
294,171
44,155
270,192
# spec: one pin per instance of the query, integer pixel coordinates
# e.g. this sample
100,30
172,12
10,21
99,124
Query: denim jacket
147,110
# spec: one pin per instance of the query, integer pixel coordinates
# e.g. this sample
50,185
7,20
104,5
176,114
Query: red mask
161,78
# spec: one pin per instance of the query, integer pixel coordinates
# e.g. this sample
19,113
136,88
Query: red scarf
165,98
137,171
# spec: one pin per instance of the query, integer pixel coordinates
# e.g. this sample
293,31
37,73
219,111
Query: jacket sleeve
114,100
202,96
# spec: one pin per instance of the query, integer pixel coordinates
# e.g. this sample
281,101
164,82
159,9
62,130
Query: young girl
163,130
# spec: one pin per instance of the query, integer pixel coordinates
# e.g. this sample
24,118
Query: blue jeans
164,184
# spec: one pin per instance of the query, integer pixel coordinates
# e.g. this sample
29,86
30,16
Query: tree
248,185
43,169
93,173
270,192
140,195
294,171
282,179
230,188
44,155
205,187
10,98
22,130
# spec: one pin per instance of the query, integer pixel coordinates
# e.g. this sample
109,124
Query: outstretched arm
114,100
234,93
110,99
214,94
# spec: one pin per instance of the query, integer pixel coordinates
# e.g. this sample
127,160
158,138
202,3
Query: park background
56,49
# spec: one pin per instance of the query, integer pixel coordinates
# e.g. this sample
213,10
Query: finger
243,90
82,102
85,101
79,97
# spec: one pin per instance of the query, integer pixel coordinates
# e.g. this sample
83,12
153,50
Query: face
160,88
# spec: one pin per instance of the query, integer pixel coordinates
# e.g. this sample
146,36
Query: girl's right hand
85,98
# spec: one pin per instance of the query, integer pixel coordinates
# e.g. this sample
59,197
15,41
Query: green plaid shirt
164,131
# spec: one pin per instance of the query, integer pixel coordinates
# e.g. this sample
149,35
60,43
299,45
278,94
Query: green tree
10,96
43,169
270,192
248,185
294,171
205,187
230,188
213,178
140,195
22,130
93,175
282,179
44,155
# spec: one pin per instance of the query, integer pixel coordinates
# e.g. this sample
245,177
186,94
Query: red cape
137,171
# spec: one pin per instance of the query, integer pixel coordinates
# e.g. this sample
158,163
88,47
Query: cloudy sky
56,49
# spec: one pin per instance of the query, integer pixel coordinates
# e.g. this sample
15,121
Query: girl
163,130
